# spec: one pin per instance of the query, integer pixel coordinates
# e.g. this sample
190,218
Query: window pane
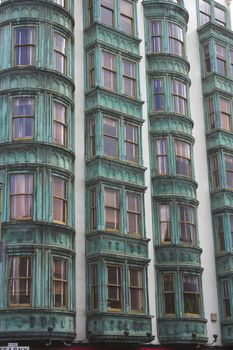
109,71
127,16
131,143
133,213
183,159
60,53
110,138
187,224
114,287
60,130
165,223
229,170
136,281
59,200
25,46
156,38
59,283
107,12
220,16
112,209
21,196
20,273
23,122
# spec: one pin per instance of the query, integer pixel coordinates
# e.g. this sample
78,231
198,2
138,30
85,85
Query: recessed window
93,208
109,71
156,36
183,158
60,124
94,287
21,197
226,299
110,131
90,11
92,137
229,170
129,78
60,283
59,200
205,15
211,114
114,287
127,16
107,12
176,39
191,294
215,171
225,113
158,95
131,143
165,227
25,46
221,60
220,232
23,118
20,280
220,16
112,209
134,225
187,224
207,60
60,59
136,289
179,97
161,156
91,67
169,294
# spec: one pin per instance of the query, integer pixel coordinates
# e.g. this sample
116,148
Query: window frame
187,227
94,286
134,143
183,147
126,16
168,223
31,45
204,13
221,59
174,40
110,70
220,228
23,116
92,136
116,209
226,303
62,200
62,281
30,195
113,138
178,99
159,92
171,292
91,70
137,289
132,79
112,10
197,294
93,209
118,286
59,53
228,171
155,36
162,156
136,213
227,113
63,125
215,171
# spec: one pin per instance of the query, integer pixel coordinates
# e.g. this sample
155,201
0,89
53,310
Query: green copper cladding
36,92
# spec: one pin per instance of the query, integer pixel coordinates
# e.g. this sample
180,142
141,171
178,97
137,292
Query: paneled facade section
216,50
37,298
180,309
116,243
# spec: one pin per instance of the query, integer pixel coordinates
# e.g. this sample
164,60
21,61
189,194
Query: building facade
116,167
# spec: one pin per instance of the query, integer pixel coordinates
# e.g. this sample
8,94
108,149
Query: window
226,299
25,49
176,40
93,208
60,58
61,2
211,114
229,170
92,137
110,137
231,229
94,287
91,65
23,118
60,283
169,294
114,287
215,171
156,37
131,143
207,60
191,294
20,280
134,225
112,209
231,62
220,232
129,78
183,159
225,112
59,200
158,95
21,196
165,223
161,155
187,224
127,16
109,71
205,15
179,97
221,59
90,12
107,12
220,16
60,124
136,289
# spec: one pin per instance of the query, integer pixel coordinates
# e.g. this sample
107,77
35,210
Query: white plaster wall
79,174
145,148
201,172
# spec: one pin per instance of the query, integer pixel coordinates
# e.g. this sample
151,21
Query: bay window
21,196
191,294
23,118
60,283
25,46
136,289
112,209
134,211
60,58
59,200
20,280
187,224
